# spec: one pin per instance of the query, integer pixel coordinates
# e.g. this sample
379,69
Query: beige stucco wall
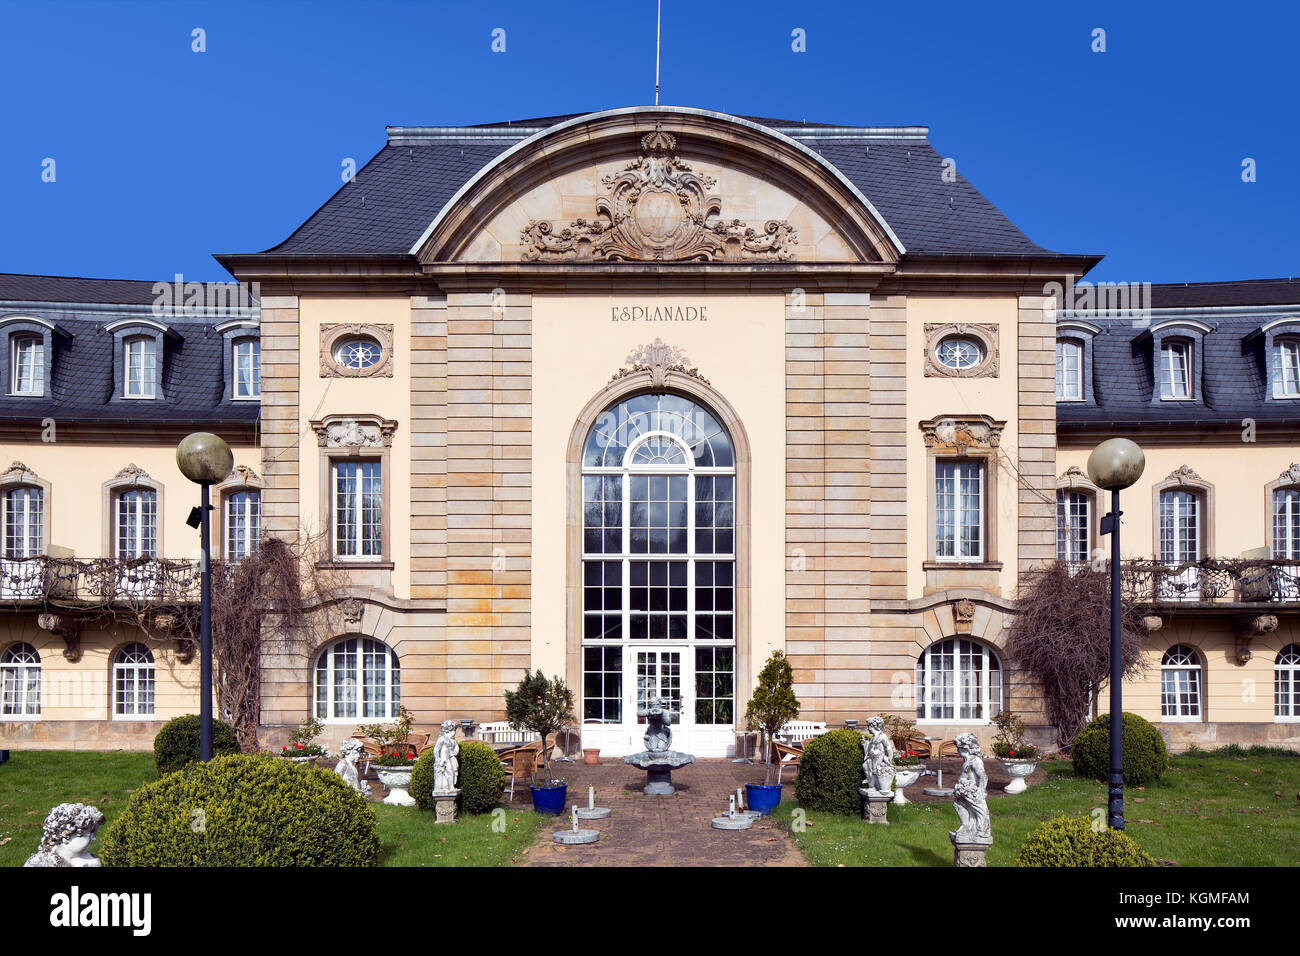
577,347
929,397
389,397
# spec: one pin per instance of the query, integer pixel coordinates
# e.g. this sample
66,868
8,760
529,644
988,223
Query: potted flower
394,772
772,704
1017,757
545,707
907,770
300,748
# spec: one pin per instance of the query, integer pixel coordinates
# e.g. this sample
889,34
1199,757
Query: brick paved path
662,831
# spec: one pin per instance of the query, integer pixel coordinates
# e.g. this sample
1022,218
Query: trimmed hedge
1072,841
245,810
177,744
482,778
1145,754
830,773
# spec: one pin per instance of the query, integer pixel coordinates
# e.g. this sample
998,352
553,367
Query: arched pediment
661,184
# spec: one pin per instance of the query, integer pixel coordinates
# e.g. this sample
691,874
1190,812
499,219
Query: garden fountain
657,760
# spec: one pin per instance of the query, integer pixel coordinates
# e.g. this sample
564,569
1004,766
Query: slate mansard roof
82,382
1235,374
387,206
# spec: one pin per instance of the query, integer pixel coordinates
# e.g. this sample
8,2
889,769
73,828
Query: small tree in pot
545,707
772,704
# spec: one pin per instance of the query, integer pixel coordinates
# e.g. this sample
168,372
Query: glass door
659,673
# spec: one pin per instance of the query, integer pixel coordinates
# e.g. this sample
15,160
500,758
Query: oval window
358,352
959,353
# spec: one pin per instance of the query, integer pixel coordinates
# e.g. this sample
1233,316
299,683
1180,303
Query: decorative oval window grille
959,353
358,353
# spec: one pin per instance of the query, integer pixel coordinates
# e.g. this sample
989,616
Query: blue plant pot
549,799
763,797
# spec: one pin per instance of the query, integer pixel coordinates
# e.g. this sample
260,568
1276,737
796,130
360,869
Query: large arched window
1286,683
1180,684
659,565
357,677
133,682
958,681
20,683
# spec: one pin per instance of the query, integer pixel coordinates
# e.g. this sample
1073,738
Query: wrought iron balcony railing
49,580
1211,581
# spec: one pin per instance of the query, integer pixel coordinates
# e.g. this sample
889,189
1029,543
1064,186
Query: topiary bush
177,744
830,773
482,778
1072,841
244,810
1145,754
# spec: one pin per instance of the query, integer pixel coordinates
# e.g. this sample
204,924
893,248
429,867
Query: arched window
1286,683
958,681
1180,684
659,565
20,683
133,682
357,677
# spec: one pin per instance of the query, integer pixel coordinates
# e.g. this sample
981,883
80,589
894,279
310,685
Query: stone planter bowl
905,777
1018,770
398,782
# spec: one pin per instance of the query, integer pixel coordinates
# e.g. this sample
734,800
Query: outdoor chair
785,755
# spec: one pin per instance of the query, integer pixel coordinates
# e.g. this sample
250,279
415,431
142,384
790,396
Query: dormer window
1175,370
140,363
27,364
1286,367
1069,370
247,368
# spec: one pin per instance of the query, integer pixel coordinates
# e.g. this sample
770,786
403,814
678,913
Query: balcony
1212,583
86,582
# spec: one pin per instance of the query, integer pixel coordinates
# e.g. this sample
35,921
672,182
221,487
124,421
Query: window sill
344,565
961,566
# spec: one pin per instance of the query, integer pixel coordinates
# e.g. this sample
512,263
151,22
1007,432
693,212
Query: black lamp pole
205,629
1110,525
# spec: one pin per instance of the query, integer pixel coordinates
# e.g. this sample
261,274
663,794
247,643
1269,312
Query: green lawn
34,781
1206,810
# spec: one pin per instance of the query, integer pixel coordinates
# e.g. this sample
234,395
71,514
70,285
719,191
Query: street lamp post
1115,464
204,459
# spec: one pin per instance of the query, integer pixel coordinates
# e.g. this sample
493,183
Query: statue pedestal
966,853
875,804
444,805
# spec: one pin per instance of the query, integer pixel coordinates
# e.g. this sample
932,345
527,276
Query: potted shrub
772,704
545,707
300,748
907,770
1017,757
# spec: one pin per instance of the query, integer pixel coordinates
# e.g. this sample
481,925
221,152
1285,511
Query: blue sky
164,156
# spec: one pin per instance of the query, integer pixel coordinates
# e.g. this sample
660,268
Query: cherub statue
445,764
658,734
350,752
878,757
69,831
970,794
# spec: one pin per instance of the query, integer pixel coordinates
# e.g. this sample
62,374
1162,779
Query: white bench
500,732
797,731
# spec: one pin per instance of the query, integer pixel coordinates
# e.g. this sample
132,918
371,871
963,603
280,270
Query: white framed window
1286,367
959,353
1286,684
1176,369
247,355
1069,370
1180,684
358,352
24,522
243,524
20,683
133,682
358,510
1180,526
27,364
958,682
140,367
357,677
959,510
136,523
1073,526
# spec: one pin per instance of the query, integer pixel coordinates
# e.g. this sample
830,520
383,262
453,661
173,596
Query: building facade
638,397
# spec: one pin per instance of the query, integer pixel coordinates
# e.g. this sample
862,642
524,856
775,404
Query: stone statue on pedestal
445,765
350,752
970,795
69,831
878,757
658,733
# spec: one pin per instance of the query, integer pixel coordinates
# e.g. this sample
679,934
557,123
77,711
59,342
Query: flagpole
659,15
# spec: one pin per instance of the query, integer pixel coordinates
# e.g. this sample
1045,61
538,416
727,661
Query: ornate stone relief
130,475
353,609
985,333
1184,475
1291,475
66,627
354,432
657,209
244,477
963,615
330,335
960,433
658,359
17,472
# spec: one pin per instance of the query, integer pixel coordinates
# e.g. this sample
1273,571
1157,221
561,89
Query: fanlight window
133,682
959,353
674,428
20,682
1286,683
1180,684
357,677
358,352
